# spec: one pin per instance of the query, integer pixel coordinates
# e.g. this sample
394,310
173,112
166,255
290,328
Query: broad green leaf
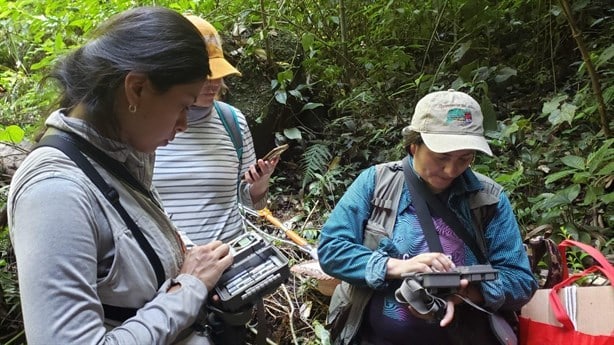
297,94
12,134
310,106
574,162
507,131
489,113
307,40
592,195
281,96
608,198
285,77
460,52
322,333
59,43
568,111
570,193
558,175
293,133
555,117
605,56
553,104
565,114
504,74
604,152
581,177
561,198
551,201
606,170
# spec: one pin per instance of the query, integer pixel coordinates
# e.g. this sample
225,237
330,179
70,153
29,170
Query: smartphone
276,152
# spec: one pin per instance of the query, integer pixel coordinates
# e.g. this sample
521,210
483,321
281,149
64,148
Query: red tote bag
594,302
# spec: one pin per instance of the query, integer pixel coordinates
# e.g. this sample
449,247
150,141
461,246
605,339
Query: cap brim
442,143
221,68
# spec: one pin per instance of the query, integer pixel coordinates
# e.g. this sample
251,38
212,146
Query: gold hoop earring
132,108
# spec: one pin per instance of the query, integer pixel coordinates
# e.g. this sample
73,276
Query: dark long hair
156,41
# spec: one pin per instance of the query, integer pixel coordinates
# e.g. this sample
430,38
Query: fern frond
314,161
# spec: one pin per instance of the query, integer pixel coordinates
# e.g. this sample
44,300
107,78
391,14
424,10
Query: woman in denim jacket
445,132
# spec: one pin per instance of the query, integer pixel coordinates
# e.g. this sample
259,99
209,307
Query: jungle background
338,80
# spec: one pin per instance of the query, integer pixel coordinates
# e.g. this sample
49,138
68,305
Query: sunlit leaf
281,96
12,134
322,333
568,111
553,104
564,114
293,133
297,94
310,106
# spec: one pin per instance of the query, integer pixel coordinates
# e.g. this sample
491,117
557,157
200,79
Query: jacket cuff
375,272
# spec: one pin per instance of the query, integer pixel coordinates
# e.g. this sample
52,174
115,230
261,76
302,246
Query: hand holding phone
276,152
273,154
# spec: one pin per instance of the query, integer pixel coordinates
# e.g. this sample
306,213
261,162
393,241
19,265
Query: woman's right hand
425,262
208,262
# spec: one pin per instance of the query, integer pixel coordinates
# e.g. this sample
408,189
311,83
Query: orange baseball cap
220,67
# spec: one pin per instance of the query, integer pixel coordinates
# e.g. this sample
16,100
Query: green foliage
315,161
12,134
343,78
584,201
10,307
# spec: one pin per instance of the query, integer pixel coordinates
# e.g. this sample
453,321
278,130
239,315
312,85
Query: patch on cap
461,116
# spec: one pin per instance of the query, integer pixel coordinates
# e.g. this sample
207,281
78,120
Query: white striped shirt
196,177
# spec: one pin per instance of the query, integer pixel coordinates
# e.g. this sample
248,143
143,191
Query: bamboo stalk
590,68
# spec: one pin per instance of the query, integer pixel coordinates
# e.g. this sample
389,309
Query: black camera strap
423,200
422,211
73,147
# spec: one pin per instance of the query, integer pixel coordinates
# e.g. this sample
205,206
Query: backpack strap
385,203
72,146
231,123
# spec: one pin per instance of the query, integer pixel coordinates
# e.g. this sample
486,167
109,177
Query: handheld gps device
258,270
451,279
426,292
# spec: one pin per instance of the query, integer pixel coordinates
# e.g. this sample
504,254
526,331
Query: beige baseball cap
450,121
220,67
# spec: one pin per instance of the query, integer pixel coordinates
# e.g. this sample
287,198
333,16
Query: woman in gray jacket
86,275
